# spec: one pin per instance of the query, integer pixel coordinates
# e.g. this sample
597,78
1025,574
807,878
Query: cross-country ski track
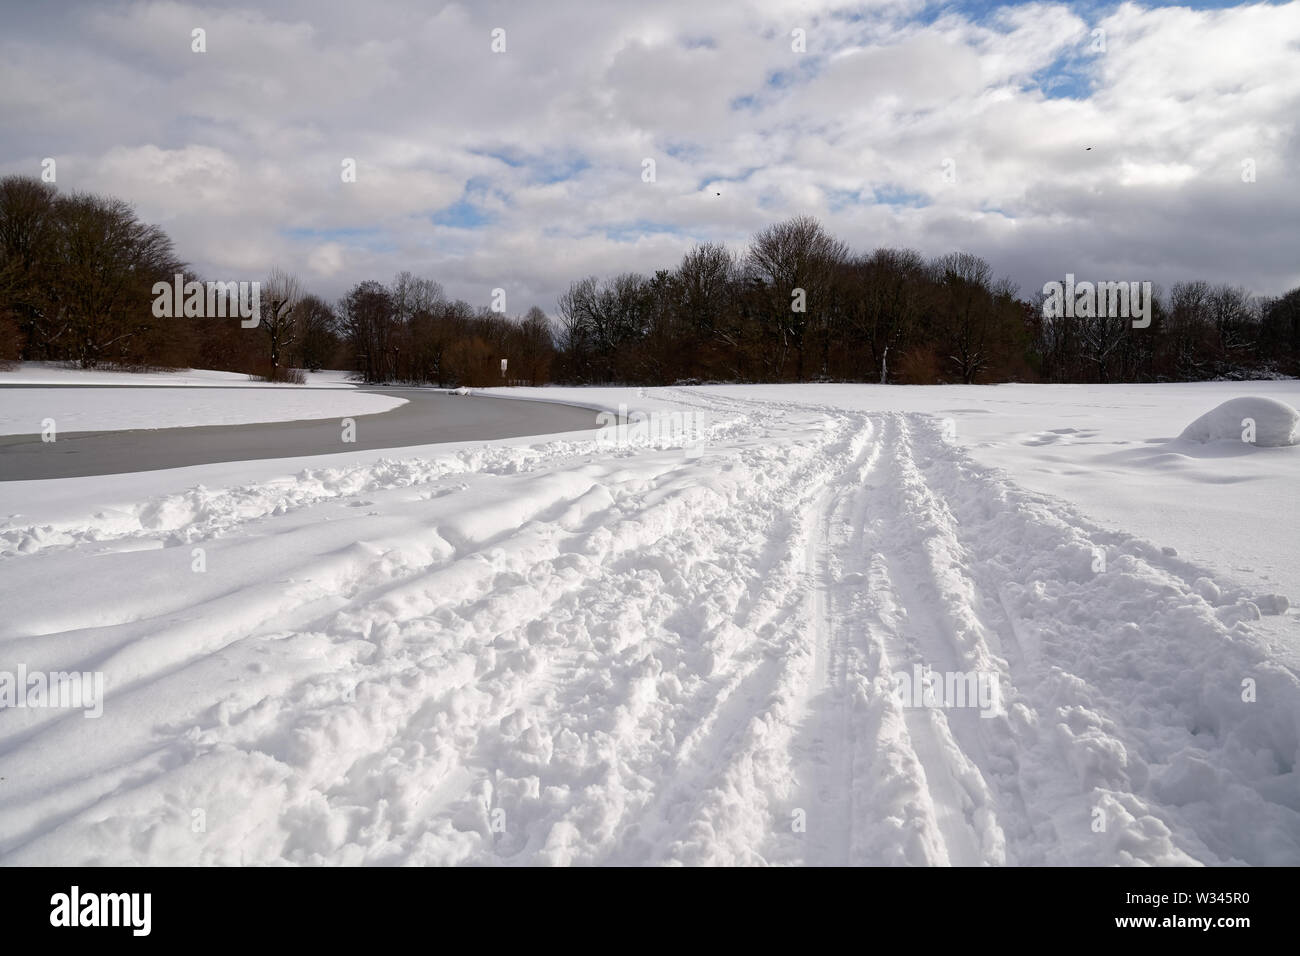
571,654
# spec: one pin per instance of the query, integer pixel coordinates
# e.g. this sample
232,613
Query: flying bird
1087,148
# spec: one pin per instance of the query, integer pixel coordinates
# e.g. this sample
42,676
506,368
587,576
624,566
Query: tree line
77,274
800,305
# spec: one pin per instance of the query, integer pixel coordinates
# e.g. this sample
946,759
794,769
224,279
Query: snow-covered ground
1112,450
24,410
558,651
62,373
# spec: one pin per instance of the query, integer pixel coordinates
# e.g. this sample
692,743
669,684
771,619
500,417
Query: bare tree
280,293
104,262
884,292
412,293
535,346
577,307
26,229
366,322
705,275
1187,331
789,257
315,333
966,311
1235,317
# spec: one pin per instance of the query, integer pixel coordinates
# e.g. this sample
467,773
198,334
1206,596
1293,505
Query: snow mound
1276,423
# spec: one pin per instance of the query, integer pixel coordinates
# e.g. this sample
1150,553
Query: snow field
63,373
571,654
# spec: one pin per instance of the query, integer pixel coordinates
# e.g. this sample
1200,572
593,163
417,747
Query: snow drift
1276,423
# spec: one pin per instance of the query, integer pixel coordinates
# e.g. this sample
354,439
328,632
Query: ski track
571,654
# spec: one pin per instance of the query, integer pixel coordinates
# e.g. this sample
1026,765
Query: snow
206,399
1112,450
56,373
561,650
1275,423
24,410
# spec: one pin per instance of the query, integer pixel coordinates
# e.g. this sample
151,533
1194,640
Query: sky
936,126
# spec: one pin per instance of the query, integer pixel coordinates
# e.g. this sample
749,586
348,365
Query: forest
78,270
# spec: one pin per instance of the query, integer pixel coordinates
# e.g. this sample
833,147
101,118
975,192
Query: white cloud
237,151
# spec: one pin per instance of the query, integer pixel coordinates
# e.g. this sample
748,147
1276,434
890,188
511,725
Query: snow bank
22,410
59,373
1275,423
